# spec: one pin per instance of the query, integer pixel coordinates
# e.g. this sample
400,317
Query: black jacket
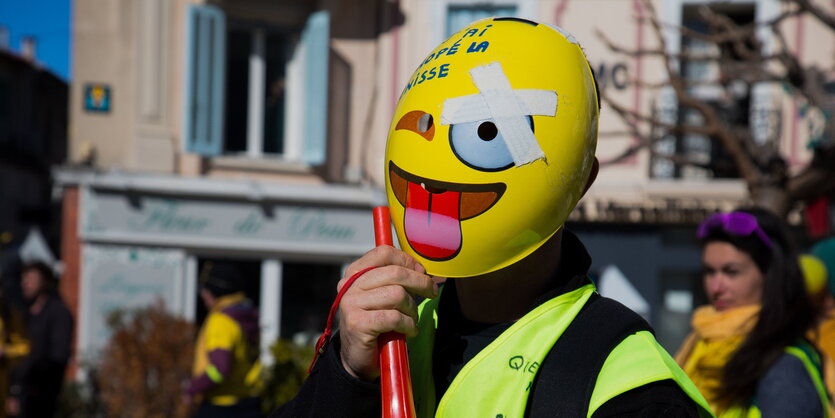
40,375
330,391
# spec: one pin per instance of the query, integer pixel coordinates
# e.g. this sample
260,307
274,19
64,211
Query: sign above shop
193,223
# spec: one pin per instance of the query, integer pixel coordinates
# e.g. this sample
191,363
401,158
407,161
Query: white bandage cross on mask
508,108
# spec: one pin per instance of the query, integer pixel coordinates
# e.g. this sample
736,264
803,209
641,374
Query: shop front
144,240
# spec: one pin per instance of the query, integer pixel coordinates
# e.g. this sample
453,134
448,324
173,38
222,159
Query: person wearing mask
36,382
226,360
491,146
748,352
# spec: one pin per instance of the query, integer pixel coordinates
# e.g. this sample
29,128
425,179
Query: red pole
395,378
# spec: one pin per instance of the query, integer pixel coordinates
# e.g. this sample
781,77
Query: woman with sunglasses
747,353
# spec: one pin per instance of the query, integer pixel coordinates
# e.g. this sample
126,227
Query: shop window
307,294
256,90
255,62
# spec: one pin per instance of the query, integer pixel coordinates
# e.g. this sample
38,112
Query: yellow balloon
491,145
814,273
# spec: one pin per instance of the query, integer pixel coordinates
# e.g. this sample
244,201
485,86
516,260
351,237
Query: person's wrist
348,368
338,360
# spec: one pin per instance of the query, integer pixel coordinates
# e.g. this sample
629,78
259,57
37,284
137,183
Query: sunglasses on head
740,224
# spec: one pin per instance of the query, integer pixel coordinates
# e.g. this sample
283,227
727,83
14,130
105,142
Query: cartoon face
490,146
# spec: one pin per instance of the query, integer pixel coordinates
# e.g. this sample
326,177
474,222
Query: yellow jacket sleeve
222,333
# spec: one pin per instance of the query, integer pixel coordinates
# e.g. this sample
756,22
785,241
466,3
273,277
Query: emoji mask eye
480,145
418,122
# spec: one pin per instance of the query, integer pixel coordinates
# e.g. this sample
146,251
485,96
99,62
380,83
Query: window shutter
204,84
316,43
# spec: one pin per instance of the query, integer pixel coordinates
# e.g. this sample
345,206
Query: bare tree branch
814,179
809,82
646,143
824,17
737,65
722,37
615,134
747,169
633,117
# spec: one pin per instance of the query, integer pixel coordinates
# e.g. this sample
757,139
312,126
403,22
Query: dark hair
222,278
46,272
786,311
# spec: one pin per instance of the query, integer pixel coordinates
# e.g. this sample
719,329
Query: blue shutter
316,43
205,64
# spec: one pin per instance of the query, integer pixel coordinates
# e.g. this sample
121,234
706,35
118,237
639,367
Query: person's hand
378,302
12,406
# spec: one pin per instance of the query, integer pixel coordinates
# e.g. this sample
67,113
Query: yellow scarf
825,339
715,337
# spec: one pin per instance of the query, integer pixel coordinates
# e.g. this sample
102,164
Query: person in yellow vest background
491,146
227,368
825,252
14,346
816,274
748,352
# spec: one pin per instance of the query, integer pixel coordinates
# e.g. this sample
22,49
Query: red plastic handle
382,226
395,378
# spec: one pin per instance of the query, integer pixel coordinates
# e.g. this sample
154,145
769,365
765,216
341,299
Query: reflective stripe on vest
639,360
496,382
812,362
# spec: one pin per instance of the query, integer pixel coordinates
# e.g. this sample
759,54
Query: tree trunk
773,198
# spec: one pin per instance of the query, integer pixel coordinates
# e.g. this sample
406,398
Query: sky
49,22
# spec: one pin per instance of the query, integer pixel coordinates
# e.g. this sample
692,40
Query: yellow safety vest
496,382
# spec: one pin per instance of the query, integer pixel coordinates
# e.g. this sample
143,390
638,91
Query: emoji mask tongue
432,222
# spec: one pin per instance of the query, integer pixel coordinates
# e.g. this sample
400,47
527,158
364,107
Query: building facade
33,139
254,131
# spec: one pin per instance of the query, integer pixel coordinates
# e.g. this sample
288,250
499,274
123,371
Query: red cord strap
326,336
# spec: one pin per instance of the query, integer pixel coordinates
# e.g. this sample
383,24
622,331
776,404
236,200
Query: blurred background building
33,139
253,131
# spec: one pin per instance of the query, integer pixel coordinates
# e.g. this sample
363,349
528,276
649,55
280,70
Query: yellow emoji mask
491,145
